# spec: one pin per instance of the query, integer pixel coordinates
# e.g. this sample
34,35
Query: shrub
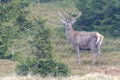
43,67
25,66
51,67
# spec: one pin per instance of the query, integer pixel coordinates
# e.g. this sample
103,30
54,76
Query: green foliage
5,1
43,67
51,67
42,63
25,66
41,39
99,15
9,13
14,25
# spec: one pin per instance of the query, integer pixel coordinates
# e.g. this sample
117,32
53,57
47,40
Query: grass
6,67
64,51
110,58
95,76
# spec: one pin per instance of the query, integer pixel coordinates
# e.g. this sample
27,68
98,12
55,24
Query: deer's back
84,38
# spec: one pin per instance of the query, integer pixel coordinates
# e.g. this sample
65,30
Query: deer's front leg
78,53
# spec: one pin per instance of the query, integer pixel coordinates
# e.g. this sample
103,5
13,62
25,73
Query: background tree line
99,15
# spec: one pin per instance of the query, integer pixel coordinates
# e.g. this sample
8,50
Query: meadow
64,51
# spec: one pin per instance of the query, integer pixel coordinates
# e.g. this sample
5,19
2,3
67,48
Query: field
64,51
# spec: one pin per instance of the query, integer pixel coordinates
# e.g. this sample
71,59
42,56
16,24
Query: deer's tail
99,39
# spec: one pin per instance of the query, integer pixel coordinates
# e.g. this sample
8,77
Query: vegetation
15,25
94,76
41,39
99,15
44,67
42,63
9,12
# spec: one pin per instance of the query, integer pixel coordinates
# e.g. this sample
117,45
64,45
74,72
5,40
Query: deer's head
68,21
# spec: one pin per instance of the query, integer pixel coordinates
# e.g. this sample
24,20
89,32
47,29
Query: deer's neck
70,32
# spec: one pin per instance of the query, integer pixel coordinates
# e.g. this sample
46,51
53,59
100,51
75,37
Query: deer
82,40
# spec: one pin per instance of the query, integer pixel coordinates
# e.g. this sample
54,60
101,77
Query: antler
73,19
79,14
61,15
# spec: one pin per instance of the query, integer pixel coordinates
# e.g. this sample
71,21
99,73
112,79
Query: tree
9,12
43,62
99,15
41,39
5,1
13,24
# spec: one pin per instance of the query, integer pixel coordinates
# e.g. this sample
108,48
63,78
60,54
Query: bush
51,67
43,67
25,66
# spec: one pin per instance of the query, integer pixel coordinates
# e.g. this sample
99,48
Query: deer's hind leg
94,50
99,50
95,56
99,53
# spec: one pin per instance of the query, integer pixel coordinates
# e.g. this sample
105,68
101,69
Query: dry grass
95,76
6,67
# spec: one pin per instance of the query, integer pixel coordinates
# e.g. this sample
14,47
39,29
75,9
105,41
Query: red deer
82,40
